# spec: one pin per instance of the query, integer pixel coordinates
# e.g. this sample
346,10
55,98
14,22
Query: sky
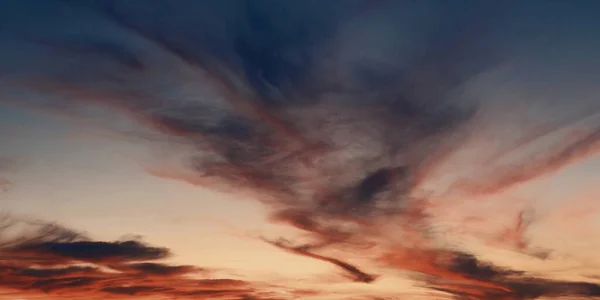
327,150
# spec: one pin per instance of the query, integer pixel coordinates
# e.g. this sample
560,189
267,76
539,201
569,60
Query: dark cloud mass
334,120
87,251
38,258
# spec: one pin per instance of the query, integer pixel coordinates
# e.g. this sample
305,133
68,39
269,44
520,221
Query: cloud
356,274
89,251
43,259
293,153
153,269
463,275
568,152
264,102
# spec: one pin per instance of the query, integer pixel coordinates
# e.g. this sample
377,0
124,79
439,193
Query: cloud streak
356,274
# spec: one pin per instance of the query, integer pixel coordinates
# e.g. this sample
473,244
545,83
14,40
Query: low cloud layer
44,259
275,102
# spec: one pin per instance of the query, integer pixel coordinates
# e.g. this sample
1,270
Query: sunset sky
325,150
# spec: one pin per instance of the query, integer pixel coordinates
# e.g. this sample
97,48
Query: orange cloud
56,263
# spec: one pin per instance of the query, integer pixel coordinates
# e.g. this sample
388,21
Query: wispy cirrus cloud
341,146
